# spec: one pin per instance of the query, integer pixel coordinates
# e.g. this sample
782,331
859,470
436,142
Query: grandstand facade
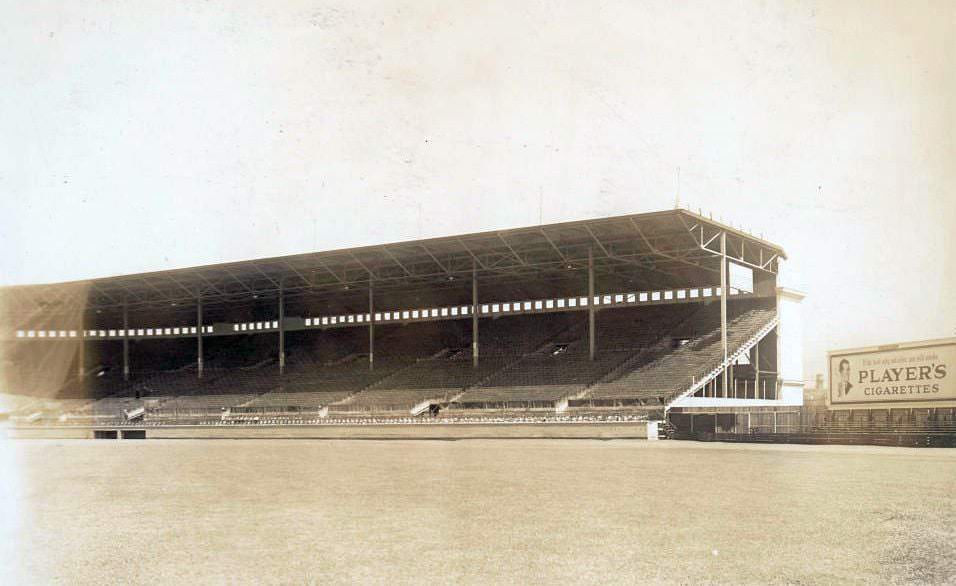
617,321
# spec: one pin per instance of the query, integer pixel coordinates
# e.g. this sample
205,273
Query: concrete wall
47,433
790,346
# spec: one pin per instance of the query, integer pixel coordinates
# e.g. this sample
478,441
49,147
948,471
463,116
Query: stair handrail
758,333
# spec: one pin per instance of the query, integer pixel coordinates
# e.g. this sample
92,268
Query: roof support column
371,327
125,342
756,369
723,305
474,315
199,336
81,355
591,303
281,329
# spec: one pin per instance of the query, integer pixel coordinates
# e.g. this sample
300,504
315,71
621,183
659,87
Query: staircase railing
758,334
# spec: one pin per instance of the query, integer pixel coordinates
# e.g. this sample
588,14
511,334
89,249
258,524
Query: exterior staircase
698,384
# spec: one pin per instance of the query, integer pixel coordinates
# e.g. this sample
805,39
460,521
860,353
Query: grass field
473,511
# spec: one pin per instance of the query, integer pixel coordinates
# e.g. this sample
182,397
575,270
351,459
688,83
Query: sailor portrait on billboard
844,386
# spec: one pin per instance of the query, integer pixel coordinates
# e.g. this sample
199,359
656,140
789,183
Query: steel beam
371,327
125,343
591,304
723,305
281,329
199,336
474,315
81,358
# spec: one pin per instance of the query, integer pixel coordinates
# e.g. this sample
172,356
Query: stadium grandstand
627,320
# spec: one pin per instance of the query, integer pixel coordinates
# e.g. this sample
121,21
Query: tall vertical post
723,304
281,329
591,303
371,327
81,355
199,336
756,369
474,315
125,342
732,382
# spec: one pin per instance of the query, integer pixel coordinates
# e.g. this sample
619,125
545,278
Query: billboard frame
909,403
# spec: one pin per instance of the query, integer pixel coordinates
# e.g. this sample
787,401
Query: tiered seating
114,407
179,382
664,370
537,379
563,369
435,380
316,387
430,379
278,401
310,383
393,400
527,362
224,384
440,378
206,402
207,395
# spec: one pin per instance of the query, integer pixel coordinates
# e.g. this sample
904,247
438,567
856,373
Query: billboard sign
899,374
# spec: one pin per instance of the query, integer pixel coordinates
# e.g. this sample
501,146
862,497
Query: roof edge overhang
431,241
643,241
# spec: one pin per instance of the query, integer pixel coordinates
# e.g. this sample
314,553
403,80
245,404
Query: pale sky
140,136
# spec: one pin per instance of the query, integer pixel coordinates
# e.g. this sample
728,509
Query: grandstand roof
677,245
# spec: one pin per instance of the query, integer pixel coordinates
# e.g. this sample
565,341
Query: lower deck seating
292,400
392,400
564,369
435,380
541,378
219,402
665,370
